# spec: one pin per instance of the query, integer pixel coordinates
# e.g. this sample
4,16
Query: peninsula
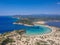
19,37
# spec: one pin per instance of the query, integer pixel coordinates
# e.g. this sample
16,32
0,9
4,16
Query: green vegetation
51,42
41,43
20,32
4,34
37,43
6,41
25,21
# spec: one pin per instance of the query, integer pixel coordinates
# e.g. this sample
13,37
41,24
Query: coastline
41,23
53,36
22,24
53,29
38,22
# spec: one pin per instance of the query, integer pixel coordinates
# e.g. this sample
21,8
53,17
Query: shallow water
6,25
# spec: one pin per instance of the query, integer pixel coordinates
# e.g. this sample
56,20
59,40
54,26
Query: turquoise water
6,25
38,31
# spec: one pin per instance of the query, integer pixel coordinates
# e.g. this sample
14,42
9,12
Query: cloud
58,3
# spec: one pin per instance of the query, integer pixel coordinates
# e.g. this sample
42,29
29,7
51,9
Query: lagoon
6,25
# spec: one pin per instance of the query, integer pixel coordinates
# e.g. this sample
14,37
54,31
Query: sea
6,25
53,23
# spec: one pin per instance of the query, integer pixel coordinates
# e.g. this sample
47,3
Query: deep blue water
56,24
6,25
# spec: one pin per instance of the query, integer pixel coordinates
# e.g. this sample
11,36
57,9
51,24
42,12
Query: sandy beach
39,22
52,38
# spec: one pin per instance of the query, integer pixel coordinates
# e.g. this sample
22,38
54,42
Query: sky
27,7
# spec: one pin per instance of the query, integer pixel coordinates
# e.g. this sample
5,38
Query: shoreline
53,36
38,22
53,29
23,24
41,23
